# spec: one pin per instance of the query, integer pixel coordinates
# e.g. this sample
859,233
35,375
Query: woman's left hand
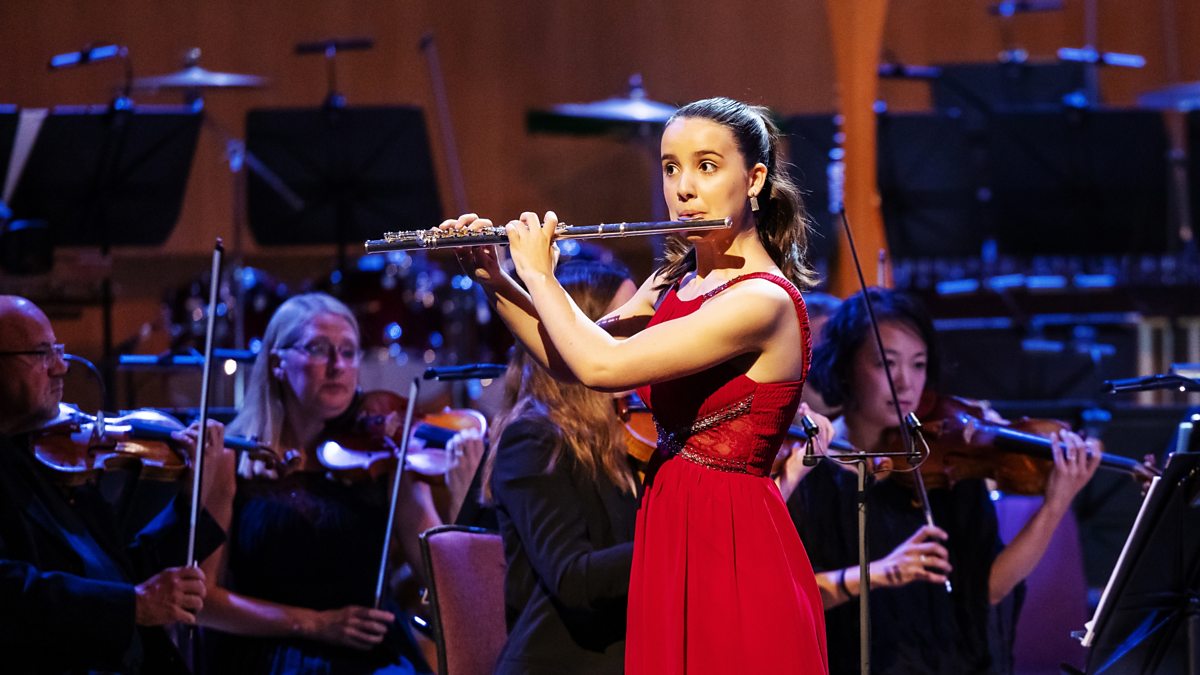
531,245
219,481
1075,461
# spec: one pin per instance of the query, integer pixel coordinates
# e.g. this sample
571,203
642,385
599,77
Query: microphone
1167,381
1008,8
902,71
335,45
913,426
470,371
85,56
1091,55
811,430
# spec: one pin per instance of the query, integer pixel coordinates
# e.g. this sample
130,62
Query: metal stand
862,460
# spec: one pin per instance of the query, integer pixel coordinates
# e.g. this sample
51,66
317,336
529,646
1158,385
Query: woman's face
704,173
906,356
320,369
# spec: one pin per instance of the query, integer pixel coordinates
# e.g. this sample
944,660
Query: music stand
1148,619
358,171
9,115
104,177
814,163
932,181
1079,182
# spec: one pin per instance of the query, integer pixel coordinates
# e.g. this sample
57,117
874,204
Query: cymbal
618,109
195,77
622,115
1182,96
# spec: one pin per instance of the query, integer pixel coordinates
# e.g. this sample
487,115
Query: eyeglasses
323,351
50,355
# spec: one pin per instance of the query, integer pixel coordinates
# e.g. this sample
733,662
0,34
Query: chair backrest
1055,593
465,567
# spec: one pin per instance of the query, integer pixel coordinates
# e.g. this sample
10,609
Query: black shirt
68,571
568,541
917,628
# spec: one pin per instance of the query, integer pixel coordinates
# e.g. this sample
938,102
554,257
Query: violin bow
198,462
401,456
909,425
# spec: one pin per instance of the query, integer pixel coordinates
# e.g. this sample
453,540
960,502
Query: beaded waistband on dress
674,442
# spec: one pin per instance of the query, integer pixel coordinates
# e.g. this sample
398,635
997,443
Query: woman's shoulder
525,446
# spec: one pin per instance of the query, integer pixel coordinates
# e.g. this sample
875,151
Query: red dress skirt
720,581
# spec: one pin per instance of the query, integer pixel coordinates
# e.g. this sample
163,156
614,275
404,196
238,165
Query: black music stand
104,177
109,175
815,164
1080,182
9,115
933,186
358,172
1148,620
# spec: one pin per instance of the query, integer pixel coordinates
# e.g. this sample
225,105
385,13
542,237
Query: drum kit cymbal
194,77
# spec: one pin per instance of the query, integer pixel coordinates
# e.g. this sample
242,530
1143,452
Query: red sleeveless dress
720,581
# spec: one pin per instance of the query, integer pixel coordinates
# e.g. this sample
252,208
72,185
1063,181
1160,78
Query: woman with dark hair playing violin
917,626
565,495
296,582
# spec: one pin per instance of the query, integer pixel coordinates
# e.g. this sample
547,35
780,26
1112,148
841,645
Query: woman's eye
708,166
669,169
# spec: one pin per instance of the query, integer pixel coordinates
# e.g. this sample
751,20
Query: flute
433,238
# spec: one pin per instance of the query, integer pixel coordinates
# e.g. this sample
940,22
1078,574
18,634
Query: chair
1055,593
466,587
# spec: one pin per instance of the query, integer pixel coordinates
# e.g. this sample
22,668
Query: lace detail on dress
674,441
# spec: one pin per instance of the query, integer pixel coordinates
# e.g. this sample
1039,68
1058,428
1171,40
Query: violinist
295,585
77,594
821,307
917,626
564,492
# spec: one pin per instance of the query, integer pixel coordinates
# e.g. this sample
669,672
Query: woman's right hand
352,626
921,557
481,262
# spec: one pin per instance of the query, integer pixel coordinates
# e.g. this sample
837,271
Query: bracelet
842,583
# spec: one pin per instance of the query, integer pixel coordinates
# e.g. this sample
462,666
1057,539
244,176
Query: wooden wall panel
501,58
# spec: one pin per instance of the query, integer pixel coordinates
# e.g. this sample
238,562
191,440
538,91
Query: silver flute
433,238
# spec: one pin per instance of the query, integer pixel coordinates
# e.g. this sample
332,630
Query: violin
641,434
964,444
369,449
77,446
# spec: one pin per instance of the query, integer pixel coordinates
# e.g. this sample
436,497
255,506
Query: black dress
568,541
917,628
308,541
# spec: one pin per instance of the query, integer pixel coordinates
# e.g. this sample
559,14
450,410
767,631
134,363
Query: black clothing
308,541
568,542
68,571
917,628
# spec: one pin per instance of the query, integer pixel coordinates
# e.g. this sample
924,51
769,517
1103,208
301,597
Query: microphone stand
907,423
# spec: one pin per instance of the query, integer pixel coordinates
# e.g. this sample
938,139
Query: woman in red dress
720,581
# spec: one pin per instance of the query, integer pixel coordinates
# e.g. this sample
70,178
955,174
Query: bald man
76,593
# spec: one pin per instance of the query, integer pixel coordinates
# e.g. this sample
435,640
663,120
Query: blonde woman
296,580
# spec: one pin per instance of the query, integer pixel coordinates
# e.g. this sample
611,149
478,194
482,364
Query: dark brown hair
584,420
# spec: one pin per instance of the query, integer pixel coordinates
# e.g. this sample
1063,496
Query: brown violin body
77,447
641,434
369,450
965,444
